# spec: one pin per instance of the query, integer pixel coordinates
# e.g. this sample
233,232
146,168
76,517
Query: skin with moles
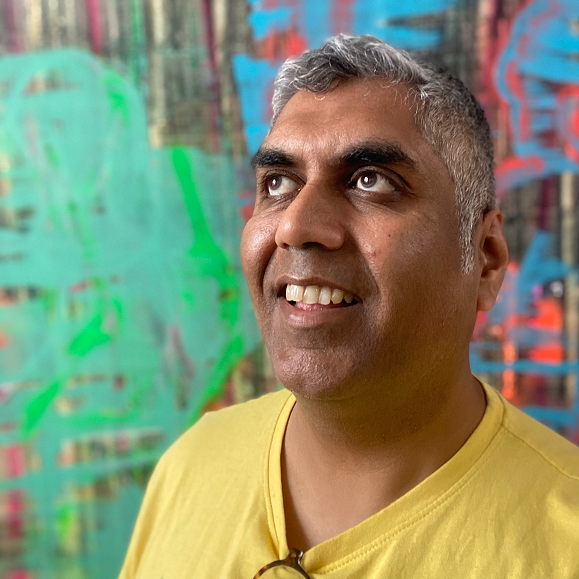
351,196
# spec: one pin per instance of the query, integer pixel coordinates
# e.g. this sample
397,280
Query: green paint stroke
37,407
209,257
91,336
214,388
213,262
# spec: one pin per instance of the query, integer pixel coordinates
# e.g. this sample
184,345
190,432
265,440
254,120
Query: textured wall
126,128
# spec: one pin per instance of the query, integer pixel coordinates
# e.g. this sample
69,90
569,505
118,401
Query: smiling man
374,242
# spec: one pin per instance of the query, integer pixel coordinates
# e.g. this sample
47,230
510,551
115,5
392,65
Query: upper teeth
313,294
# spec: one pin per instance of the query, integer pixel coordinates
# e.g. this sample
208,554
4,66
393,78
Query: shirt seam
266,473
540,453
467,477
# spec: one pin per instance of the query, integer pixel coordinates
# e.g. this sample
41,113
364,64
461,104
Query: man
374,242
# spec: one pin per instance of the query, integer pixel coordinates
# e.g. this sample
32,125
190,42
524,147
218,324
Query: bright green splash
131,309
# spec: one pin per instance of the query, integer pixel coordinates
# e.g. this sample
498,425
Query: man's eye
372,181
281,185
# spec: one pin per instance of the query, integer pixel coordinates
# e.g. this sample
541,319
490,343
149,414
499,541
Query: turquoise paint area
128,305
264,21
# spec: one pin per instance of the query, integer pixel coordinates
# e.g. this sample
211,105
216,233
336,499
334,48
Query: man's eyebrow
272,158
369,152
376,153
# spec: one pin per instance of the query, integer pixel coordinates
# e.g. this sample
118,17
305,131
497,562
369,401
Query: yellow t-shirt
505,506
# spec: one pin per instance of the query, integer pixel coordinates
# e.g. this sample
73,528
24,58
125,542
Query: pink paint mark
15,460
247,201
574,121
15,503
80,286
6,391
19,574
95,26
214,107
4,340
15,43
341,16
119,382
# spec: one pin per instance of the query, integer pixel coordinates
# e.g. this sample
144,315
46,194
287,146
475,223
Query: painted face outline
397,251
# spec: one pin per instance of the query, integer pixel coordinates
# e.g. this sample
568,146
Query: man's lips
301,315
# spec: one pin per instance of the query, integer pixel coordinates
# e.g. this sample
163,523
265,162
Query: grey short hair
447,114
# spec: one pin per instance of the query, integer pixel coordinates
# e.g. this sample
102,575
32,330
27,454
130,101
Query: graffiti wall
126,130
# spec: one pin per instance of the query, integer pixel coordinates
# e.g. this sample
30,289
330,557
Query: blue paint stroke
517,298
266,21
536,66
315,25
537,269
313,22
553,417
375,16
254,79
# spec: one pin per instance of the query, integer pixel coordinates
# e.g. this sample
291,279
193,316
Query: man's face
350,197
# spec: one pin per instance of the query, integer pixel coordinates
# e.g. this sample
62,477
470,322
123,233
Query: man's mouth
302,296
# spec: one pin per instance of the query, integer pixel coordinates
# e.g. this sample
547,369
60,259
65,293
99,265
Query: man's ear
492,258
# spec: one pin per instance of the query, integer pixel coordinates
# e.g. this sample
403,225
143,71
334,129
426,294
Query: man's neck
345,460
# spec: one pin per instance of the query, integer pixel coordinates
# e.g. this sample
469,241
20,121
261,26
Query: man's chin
316,377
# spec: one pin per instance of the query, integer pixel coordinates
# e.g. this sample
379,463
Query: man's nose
311,218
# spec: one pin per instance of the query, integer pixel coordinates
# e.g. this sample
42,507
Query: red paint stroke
507,172
514,78
341,16
95,26
574,121
4,340
281,44
503,36
517,88
491,41
521,164
549,316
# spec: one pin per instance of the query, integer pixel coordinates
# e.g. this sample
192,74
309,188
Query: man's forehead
354,97
353,114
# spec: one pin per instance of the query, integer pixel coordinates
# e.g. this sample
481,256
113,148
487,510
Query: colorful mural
126,129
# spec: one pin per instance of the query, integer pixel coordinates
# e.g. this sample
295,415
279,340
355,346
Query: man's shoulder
235,433
544,444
